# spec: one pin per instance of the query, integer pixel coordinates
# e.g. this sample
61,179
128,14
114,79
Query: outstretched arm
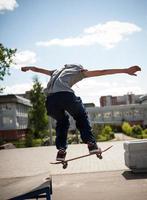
37,69
131,71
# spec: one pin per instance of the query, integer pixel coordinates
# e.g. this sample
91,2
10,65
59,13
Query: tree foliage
38,119
6,59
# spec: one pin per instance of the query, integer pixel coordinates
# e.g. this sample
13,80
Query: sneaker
93,148
61,155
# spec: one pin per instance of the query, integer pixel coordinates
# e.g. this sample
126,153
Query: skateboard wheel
65,165
99,156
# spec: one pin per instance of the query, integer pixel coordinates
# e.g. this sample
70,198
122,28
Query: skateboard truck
99,155
65,164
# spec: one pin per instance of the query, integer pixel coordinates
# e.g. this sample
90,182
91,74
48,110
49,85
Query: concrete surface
112,185
31,161
122,137
84,179
116,185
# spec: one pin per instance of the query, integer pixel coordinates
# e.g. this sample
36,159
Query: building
117,114
14,114
13,117
25,95
116,109
86,105
143,99
119,100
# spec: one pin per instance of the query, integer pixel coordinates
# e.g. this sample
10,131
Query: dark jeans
57,104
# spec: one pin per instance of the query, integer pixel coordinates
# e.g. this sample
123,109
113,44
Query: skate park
25,170
86,58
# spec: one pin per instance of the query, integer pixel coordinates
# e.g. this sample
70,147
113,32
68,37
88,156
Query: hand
132,70
24,69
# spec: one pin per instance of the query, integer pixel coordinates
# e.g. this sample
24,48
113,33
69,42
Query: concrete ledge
135,145
136,155
7,146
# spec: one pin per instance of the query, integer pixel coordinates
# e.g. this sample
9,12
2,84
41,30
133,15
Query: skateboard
65,162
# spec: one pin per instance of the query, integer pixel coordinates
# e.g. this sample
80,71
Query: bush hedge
135,131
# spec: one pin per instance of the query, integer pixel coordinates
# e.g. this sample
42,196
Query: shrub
97,130
29,139
46,141
137,131
107,132
103,133
2,141
37,142
126,128
144,133
74,139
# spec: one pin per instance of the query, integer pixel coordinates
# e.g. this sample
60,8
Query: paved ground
115,185
112,185
84,179
31,161
122,137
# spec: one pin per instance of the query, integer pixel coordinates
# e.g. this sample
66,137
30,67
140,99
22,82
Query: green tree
38,118
6,59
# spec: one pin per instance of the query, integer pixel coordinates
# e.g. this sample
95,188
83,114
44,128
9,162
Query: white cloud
18,88
107,35
8,5
23,58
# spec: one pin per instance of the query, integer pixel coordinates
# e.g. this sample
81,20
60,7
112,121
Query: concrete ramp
33,185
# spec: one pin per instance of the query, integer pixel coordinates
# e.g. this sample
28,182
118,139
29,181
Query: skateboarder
61,98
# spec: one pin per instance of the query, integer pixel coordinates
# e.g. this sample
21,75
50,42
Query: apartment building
119,100
13,117
116,114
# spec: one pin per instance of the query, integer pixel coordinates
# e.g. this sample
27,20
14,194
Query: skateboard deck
65,162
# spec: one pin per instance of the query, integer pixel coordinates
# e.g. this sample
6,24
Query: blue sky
97,34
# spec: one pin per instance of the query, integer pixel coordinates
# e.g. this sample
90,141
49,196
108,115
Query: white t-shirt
63,79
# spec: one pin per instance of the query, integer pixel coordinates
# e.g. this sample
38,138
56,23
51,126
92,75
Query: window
7,121
107,114
5,107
